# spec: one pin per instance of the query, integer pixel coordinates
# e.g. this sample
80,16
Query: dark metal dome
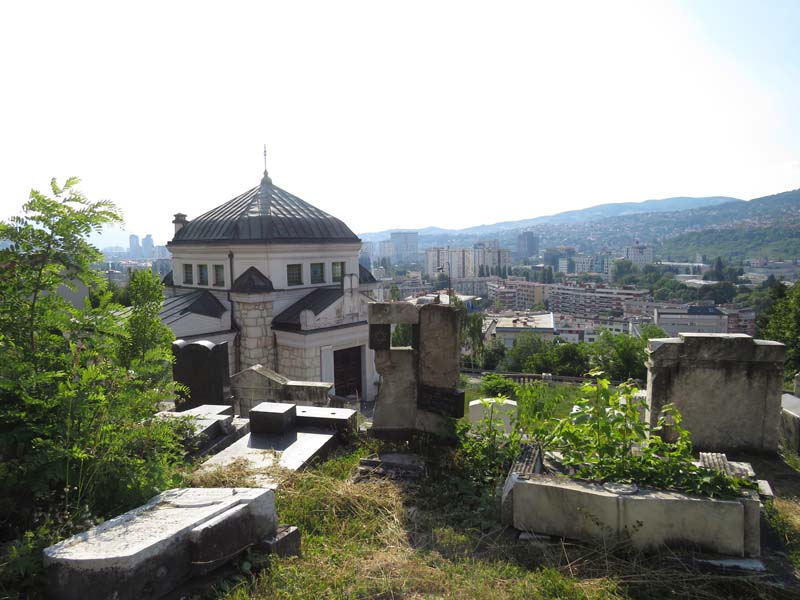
265,214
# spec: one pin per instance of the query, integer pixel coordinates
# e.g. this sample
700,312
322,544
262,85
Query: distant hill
767,226
592,213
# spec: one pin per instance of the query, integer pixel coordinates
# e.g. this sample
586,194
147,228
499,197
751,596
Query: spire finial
266,178
265,190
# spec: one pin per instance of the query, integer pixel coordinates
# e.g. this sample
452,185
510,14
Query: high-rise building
639,255
406,246
148,248
134,249
527,245
436,261
386,250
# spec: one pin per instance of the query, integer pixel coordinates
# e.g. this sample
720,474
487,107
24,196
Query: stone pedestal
727,388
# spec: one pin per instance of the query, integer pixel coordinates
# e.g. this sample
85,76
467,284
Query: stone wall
259,384
255,341
727,388
299,363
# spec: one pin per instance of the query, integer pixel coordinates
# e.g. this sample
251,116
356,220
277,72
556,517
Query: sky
399,114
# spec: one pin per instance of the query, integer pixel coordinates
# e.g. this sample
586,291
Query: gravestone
148,551
215,427
418,391
258,384
203,368
502,412
727,388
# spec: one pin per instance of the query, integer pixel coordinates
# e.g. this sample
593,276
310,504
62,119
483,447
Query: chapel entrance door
347,371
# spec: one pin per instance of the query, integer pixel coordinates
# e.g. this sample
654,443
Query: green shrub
494,385
487,451
605,439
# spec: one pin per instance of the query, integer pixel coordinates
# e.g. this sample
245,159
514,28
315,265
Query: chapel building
279,280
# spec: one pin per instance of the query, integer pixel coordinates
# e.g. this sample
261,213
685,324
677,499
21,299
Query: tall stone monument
727,388
418,383
202,367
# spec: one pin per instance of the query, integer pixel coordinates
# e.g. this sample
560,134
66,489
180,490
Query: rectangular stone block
442,401
323,417
439,351
650,519
380,337
272,417
285,542
219,538
391,313
790,422
727,388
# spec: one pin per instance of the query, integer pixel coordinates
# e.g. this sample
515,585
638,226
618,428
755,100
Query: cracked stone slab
148,551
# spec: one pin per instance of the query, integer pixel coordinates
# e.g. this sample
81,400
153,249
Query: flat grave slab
291,450
146,552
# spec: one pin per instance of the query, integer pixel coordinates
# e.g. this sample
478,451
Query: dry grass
378,539
238,473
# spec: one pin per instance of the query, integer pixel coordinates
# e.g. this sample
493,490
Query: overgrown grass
783,515
441,538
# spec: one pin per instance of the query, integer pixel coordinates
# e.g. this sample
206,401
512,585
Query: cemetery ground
441,537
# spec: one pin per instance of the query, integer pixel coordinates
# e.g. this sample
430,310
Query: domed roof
265,214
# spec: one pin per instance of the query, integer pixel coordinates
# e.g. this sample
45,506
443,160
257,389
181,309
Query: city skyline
491,114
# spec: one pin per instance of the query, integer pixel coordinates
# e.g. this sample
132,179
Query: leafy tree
783,325
621,269
78,437
395,294
622,356
145,331
472,335
493,354
401,336
525,345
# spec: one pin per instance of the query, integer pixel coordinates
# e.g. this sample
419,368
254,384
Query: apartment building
691,319
589,299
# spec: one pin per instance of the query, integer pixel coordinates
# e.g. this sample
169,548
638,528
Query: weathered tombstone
418,384
258,384
148,551
727,388
203,368
502,412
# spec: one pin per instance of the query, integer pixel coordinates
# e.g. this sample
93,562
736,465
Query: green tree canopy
78,386
783,325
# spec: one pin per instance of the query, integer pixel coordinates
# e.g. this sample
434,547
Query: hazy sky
401,114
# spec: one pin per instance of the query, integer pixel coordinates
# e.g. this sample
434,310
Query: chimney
179,221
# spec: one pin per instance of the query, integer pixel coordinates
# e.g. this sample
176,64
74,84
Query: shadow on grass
441,537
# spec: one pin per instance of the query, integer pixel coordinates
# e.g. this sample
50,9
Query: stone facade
254,319
299,363
727,388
